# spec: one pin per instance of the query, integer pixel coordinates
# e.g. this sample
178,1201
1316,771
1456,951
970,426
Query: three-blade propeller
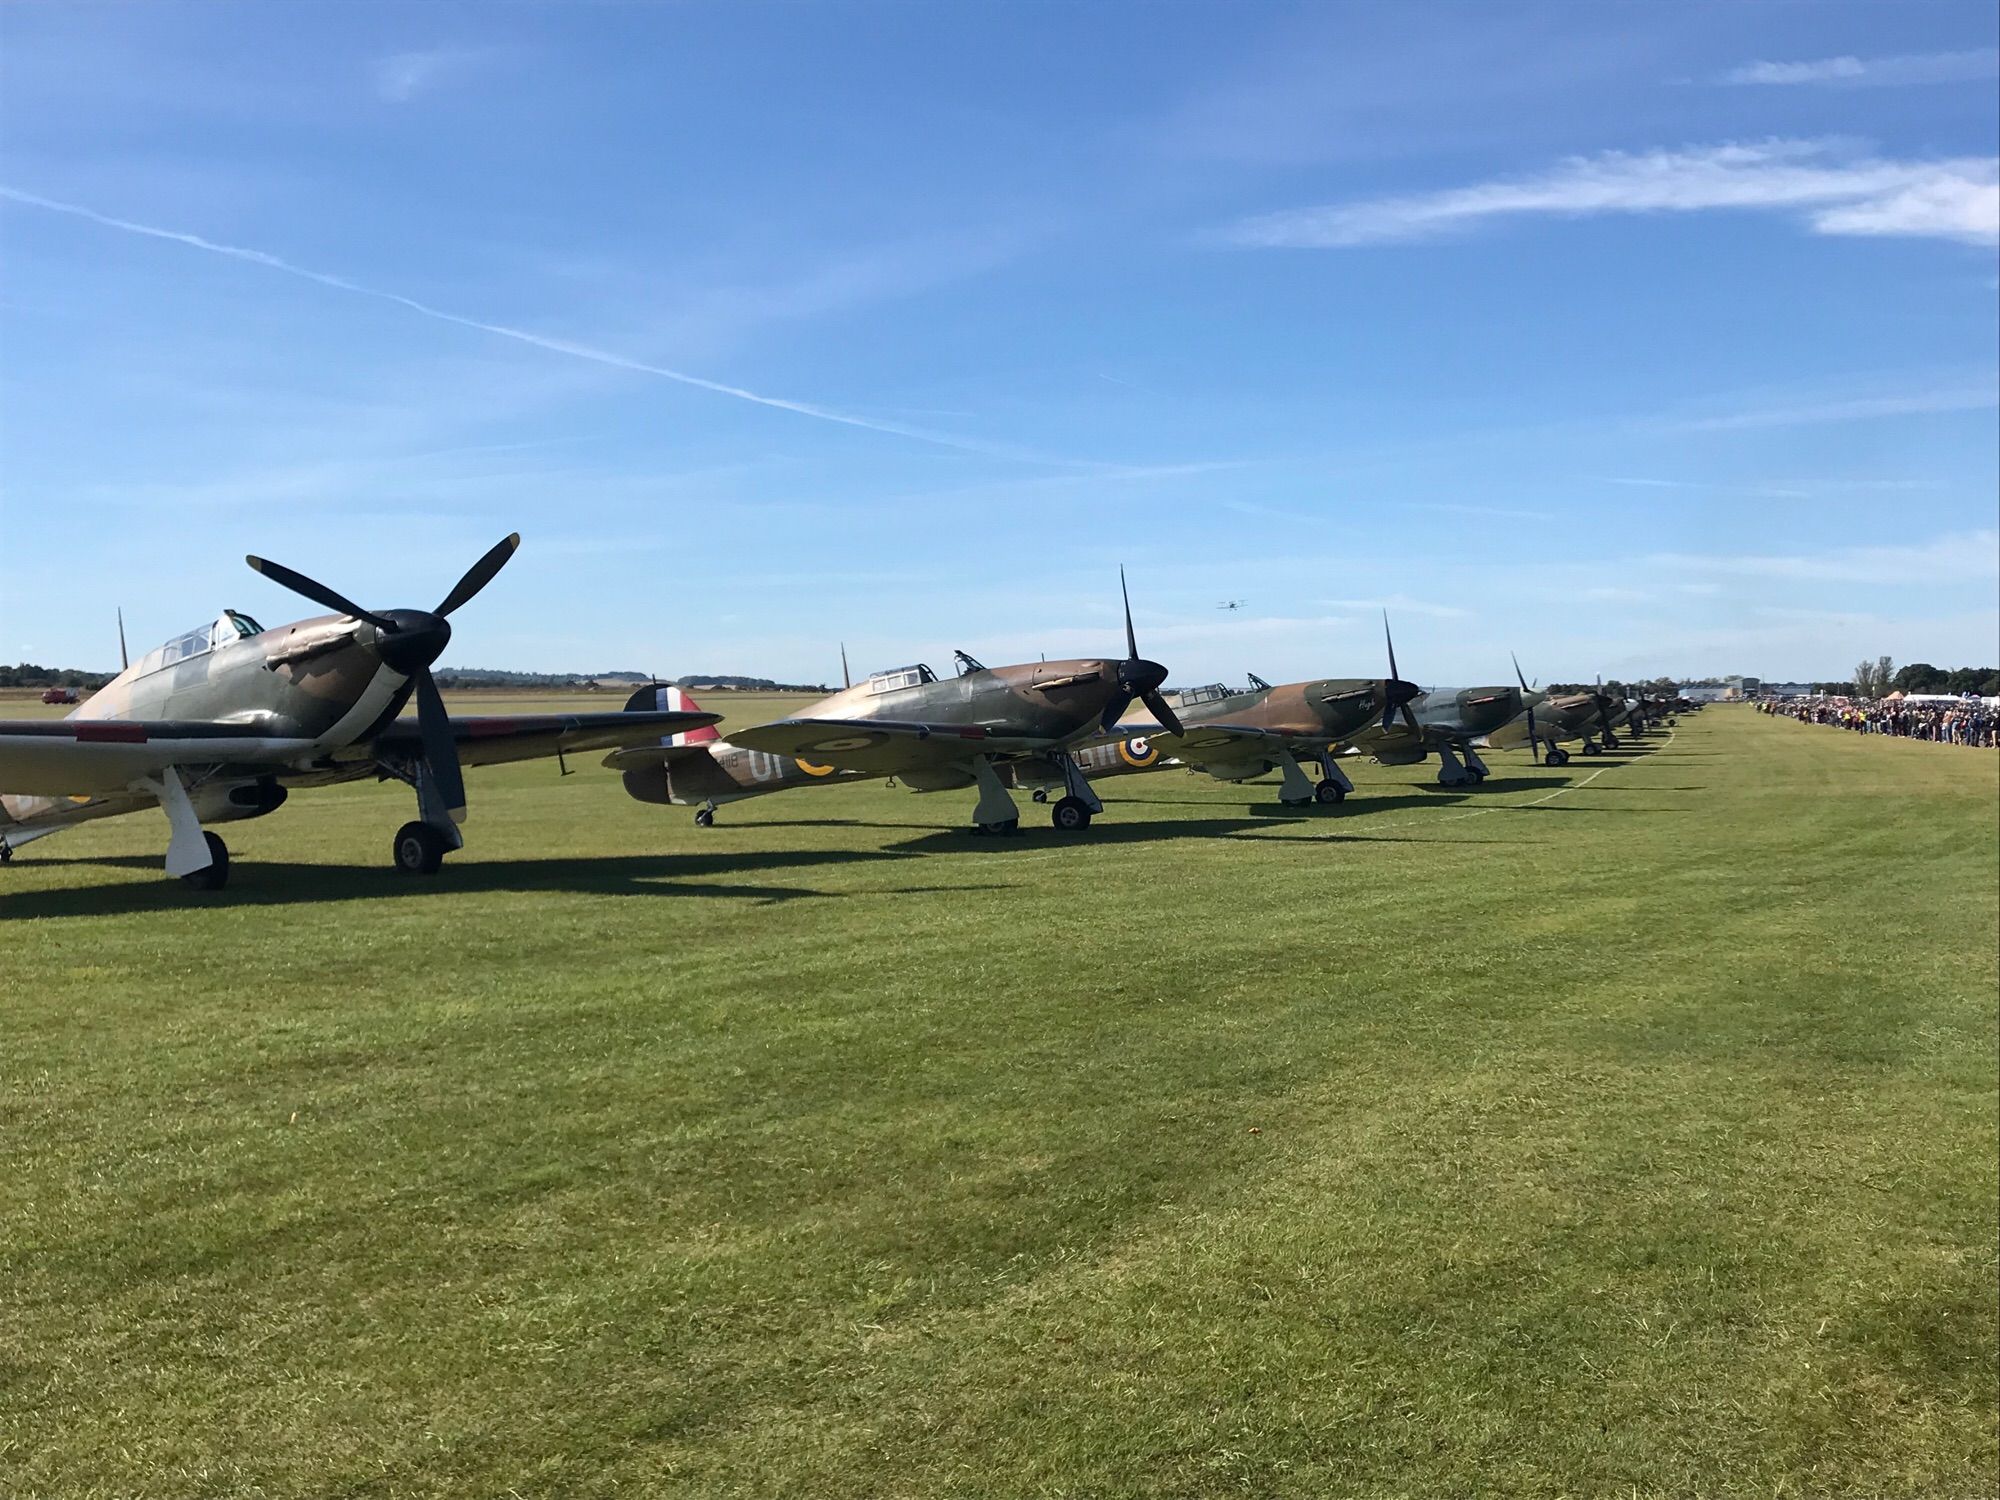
1534,743
408,641
1138,678
1396,693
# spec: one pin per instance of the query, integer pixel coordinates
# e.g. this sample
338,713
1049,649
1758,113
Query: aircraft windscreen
243,624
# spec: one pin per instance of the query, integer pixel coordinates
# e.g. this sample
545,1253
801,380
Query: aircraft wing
495,739
1201,744
883,747
69,757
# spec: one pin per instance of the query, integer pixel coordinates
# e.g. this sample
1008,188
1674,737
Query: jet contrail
521,335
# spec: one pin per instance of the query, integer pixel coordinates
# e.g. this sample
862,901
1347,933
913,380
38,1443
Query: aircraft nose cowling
418,640
1139,676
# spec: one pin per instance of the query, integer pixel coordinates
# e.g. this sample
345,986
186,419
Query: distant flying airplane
929,732
220,723
1231,604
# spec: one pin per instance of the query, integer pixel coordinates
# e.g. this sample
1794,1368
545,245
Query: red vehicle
59,695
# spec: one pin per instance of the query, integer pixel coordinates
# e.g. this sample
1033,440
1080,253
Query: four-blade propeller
408,641
1138,678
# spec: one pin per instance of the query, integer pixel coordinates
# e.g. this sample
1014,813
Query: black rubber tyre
1041,794
1011,825
1329,792
419,849
1591,747
216,876
704,818
1071,815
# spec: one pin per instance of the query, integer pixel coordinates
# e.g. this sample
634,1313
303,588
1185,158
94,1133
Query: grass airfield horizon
1625,1127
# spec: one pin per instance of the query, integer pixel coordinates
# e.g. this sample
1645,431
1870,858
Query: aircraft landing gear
1041,794
419,849
704,816
997,830
1591,747
1557,756
1327,793
1071,815
216,874
1610,741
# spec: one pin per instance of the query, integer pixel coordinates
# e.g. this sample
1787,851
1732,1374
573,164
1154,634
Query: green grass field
1628,1129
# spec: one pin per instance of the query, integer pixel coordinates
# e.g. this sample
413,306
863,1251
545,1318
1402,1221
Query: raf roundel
1138,751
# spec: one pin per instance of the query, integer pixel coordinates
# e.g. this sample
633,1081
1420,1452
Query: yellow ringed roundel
1137,751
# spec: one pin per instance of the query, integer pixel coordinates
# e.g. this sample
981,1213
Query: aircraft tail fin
656,696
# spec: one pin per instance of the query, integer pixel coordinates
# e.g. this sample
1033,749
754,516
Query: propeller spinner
408,641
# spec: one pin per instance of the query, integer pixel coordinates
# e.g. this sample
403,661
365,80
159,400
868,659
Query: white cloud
1967,555
1882,72
1397,604
401,76
1956,198
1855,409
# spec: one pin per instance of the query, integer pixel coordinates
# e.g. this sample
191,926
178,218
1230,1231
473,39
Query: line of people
1970,721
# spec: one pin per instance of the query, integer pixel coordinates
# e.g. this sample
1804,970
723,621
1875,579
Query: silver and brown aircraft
1235,736
931,733
220,723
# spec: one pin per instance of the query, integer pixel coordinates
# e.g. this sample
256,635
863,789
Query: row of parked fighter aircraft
221,723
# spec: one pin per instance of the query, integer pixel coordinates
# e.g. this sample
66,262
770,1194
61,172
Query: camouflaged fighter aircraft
1234,736
1446,720
1547,722
929,732
218,724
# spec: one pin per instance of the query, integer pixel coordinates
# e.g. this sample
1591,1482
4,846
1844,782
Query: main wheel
1610,742
1329,792
1475,773
216,876
1591,747
419,849
1071,815
704,817
1007,825
1557,756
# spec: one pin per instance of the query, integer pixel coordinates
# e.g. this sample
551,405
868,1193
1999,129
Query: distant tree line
481,677
1880,677
27,674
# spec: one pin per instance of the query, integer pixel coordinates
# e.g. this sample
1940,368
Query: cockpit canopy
229,628
1206,694
901,677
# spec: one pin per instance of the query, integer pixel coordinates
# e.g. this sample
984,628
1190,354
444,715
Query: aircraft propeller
1396,693
1534,744
1603,712
408,641
1138,678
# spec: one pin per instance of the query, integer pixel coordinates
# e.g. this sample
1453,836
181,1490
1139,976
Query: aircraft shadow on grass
280,883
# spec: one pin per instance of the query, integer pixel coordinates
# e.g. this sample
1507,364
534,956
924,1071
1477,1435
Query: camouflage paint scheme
932,733
1237,735
1446,721
240,715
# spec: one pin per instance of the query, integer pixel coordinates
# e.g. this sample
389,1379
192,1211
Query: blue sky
1636,339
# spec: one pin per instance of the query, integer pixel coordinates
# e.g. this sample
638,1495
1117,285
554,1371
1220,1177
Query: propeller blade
480,573
316,591
1114,710
440,747
1518,676
1389,704
1163,711
1534,744
1131,640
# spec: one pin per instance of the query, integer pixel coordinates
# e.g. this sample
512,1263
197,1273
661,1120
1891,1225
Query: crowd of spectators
1958,721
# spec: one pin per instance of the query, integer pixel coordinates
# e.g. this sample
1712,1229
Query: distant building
1696,694
1786,689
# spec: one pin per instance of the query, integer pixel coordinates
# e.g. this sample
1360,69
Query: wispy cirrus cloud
1958,556
1853,409
1836,191
1868,72
1395,604
402,76
568,347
